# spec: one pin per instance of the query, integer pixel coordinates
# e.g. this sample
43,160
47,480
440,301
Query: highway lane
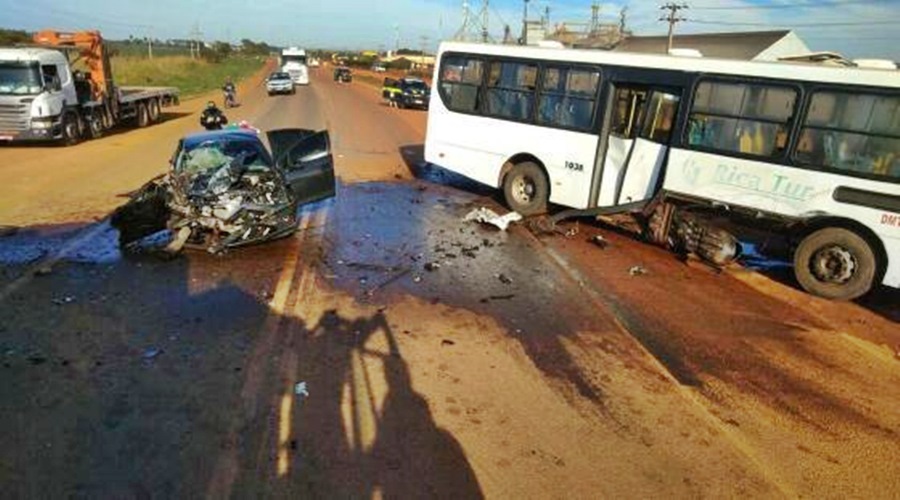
518,367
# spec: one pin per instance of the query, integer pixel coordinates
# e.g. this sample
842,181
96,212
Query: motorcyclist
212,117
230,92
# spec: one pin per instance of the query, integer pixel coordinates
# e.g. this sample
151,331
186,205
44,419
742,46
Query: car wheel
526,189
835,263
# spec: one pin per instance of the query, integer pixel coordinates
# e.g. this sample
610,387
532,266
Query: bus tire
526,189
142,118
835,263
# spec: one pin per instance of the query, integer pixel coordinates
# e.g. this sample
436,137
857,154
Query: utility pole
485,21
424,40
150,43
396,38
194,38
672,18
595,18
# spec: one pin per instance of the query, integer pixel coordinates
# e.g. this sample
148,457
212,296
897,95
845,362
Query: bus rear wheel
526,189
835,263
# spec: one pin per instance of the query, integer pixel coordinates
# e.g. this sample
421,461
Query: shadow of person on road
363,429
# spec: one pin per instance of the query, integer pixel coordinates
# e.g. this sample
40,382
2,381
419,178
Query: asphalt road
433,357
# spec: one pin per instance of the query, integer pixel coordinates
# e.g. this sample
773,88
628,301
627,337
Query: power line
672,18
798,25
790,6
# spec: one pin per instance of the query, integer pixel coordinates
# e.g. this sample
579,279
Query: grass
191,76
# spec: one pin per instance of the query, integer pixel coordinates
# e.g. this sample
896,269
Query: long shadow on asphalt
128,377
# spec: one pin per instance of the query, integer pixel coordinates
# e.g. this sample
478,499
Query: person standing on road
230,92
212,117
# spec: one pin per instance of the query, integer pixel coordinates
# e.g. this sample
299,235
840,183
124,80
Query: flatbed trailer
42,98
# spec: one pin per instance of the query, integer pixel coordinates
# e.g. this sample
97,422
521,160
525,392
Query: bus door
641,119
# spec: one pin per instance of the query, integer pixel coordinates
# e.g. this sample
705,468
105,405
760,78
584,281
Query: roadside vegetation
172,64
191,76
207,71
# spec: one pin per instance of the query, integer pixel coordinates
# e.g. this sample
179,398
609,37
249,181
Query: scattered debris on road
485,215
600,241
68,299
637,271
572,232
432,266
506,280
447,342
301,390
151,353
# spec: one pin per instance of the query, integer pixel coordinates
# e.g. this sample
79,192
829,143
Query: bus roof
777,70
293,51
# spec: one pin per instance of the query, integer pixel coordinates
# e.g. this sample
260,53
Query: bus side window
750,119
853,133
460,83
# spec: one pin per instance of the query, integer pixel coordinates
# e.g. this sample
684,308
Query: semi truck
45,97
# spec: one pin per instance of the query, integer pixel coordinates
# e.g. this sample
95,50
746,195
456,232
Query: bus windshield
19,78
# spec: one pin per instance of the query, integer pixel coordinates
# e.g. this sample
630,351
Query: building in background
745,46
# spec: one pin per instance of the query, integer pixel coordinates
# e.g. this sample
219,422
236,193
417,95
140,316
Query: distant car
406,93
379,68
225,189
342,74
314,63
280,83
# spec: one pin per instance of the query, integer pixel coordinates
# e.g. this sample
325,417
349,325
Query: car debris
506,280
151,353
226,190
432,266
485,215
600,241
68,299
301,390
637,271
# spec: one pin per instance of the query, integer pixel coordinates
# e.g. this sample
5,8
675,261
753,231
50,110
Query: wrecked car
225,189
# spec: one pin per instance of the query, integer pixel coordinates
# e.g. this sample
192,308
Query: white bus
293,62
809,152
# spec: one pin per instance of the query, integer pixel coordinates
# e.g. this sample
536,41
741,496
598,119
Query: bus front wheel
835,263
526,189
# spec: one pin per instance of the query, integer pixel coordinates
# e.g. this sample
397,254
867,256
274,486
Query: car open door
306,162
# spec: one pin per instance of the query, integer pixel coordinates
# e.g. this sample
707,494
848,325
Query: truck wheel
143,118
835,263
526,189
95,127
71,129
154,110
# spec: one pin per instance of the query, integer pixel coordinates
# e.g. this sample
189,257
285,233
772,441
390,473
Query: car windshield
209,155
415,85
279,76
20,78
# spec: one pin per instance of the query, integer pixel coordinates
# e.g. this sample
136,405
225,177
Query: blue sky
870,29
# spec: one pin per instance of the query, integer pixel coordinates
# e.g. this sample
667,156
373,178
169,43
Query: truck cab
36,87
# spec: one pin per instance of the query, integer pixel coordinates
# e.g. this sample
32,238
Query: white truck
293,62
42,98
